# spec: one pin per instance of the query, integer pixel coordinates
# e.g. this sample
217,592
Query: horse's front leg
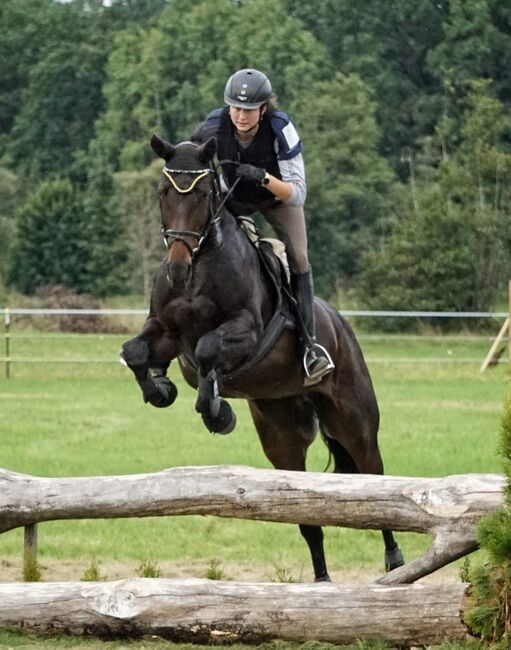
148,355
219,351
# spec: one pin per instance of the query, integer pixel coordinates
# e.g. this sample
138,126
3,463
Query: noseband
169,234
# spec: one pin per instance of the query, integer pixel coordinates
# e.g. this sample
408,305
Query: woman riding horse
211,307
260,146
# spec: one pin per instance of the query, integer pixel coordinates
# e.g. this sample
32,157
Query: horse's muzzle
178,274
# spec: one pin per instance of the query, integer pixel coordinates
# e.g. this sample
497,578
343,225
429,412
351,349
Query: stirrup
317,364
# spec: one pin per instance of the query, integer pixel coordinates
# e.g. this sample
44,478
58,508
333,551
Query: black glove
251,173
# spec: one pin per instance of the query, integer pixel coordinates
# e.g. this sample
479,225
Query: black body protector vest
247,196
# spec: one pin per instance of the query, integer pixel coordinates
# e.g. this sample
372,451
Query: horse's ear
208,150
162,148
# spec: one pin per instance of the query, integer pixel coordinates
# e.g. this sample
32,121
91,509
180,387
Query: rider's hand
251,173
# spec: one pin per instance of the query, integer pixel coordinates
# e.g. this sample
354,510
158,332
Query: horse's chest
190,315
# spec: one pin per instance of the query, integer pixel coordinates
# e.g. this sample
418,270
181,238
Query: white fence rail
474,356
348,312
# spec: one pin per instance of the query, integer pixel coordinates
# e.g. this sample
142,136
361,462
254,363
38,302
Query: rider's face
244,119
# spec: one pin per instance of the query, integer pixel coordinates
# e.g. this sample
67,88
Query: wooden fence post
30,568
493,355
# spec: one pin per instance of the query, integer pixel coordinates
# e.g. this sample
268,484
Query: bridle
170,235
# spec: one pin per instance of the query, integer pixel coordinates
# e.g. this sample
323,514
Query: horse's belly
279,374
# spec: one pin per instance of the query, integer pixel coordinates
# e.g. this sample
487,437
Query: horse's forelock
187,156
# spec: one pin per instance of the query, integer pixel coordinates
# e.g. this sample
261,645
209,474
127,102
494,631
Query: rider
267,152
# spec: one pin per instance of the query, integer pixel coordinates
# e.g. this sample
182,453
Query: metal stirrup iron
317,363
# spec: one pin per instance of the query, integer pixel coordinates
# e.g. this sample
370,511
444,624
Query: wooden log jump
448,509
211,612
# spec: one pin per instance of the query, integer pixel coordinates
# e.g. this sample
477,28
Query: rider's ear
208,150
162,148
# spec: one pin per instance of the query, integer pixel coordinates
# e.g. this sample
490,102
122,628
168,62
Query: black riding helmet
247,88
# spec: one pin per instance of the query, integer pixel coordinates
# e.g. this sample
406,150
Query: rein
169,234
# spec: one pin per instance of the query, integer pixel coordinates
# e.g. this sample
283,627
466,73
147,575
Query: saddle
273,250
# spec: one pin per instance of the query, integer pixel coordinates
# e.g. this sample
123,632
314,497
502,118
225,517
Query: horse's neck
233,261
232,246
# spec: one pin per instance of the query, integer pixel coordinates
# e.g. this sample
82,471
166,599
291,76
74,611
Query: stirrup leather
317,363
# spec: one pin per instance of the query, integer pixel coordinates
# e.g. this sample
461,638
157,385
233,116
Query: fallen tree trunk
448,508
202,611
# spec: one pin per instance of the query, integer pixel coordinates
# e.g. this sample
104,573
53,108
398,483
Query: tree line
402,107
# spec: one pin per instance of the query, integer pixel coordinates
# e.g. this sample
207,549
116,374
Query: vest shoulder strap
289,144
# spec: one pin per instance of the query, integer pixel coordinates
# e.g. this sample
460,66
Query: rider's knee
299,263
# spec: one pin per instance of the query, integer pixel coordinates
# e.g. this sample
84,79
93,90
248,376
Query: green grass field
64,417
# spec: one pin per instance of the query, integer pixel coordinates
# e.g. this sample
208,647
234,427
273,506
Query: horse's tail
343,462
330,455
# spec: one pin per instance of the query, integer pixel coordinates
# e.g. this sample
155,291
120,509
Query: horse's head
185,200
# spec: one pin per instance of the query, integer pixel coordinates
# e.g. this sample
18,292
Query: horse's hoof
158,390
325,578
224,422
393,559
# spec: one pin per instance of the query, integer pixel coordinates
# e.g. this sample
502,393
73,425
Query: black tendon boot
316,360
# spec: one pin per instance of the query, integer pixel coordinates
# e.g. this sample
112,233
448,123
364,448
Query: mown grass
60,419
63,418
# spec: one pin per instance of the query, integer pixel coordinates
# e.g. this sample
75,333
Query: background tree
104,231
28,29
373,87
451,250
387,44
49,249
61,103
476,44
9,202
137,198
348,181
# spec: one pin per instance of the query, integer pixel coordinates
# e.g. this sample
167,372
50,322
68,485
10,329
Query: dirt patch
70,571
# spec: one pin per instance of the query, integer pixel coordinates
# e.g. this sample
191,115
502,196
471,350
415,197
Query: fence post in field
30,570
7,327
493,355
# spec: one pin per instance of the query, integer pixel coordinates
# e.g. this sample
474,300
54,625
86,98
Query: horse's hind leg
352,441
148,355
286,428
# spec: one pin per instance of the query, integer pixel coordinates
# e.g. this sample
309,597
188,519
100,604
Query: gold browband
200,174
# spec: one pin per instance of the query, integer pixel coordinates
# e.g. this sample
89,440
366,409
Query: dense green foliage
403,109
490,615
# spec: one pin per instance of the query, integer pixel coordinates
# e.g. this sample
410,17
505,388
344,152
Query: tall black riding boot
316,361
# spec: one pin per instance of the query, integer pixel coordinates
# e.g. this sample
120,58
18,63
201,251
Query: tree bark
448,509
202,611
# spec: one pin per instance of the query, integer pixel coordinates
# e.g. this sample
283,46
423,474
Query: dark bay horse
210,305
